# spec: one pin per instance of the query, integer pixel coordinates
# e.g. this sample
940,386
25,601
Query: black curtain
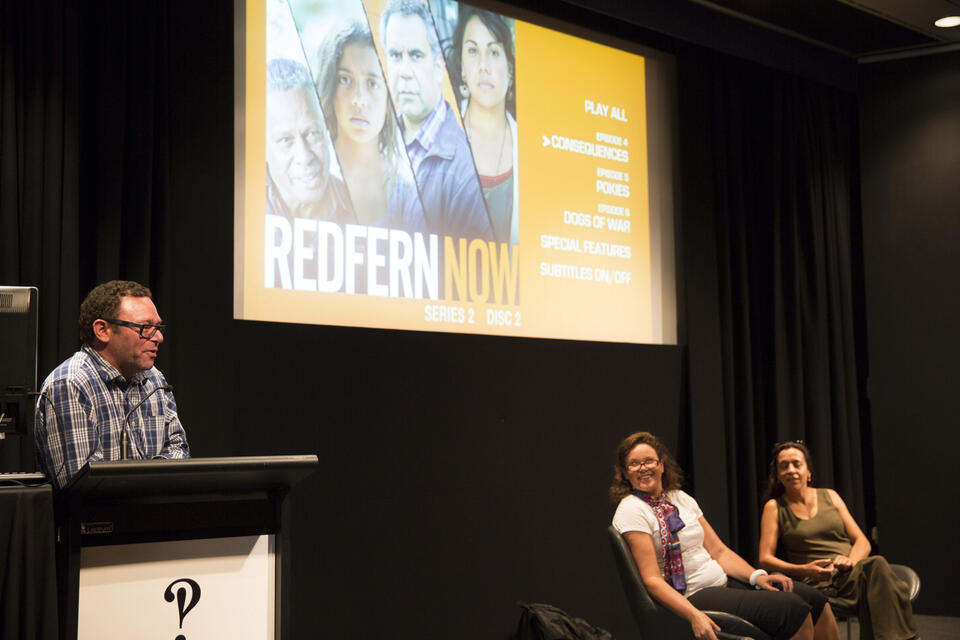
39,152
768,171
83,153
83,158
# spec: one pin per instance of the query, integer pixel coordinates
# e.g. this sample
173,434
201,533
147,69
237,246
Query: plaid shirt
80,415
427,135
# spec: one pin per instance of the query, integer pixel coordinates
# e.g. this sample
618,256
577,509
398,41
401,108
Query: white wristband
756,574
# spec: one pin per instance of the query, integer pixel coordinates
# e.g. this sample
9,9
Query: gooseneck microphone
123,432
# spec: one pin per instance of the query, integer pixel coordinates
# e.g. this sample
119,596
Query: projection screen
436,166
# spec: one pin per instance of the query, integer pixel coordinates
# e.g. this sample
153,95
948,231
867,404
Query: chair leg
850,628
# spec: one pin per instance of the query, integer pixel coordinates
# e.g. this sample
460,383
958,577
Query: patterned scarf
668,518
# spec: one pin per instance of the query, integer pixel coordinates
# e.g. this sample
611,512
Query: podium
126,527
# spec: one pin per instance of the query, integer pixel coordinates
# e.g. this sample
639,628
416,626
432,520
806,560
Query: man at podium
107,401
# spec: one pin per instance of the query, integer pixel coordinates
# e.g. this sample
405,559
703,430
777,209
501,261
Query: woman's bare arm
645,555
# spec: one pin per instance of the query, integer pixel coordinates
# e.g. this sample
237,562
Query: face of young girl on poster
361,98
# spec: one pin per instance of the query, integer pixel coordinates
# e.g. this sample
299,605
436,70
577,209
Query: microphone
123,432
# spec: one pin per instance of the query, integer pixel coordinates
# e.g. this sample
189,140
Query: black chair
848,613
656,622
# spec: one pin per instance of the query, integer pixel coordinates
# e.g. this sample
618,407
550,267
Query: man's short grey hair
406,8
287,75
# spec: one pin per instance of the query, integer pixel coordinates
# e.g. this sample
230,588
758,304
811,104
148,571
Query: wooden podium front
167,549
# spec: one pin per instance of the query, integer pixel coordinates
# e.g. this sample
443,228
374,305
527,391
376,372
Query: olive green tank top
822,536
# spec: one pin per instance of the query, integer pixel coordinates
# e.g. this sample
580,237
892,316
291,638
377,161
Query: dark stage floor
931,628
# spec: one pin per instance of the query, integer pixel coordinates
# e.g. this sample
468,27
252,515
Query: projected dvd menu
439,167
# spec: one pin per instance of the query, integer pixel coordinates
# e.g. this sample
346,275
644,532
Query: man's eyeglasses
633,465
146,331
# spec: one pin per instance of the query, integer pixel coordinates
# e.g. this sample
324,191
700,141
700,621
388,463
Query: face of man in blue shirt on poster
414,71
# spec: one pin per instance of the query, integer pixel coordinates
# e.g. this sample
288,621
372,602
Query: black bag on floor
546,622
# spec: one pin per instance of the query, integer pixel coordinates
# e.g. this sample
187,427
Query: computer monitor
18,358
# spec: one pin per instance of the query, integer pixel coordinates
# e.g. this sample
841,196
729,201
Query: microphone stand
123,432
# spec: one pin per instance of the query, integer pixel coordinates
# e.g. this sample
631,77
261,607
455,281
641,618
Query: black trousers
777,613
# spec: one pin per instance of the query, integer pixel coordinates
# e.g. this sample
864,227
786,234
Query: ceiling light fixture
949,21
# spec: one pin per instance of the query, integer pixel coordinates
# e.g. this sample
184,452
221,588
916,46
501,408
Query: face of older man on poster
297,155
414,73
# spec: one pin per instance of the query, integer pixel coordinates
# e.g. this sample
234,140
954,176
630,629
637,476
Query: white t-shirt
633,514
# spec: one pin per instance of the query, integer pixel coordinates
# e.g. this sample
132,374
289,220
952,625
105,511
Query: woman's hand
775,582
818,569
703,627
843,563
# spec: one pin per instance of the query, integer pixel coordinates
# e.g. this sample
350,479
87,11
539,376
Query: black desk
28,577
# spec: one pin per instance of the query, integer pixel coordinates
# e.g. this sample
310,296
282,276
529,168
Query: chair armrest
909,576
735,627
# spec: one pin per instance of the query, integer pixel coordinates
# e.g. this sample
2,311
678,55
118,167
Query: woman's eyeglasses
642,464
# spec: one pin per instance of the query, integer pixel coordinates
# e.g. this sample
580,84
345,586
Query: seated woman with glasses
684,564
823,546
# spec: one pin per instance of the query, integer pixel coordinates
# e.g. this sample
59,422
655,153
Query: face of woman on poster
484,63
361,98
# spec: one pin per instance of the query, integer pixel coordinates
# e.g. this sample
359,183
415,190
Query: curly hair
774,487
620,487
327,63
104,302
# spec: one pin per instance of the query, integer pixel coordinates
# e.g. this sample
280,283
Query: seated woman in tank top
684,564
821,544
